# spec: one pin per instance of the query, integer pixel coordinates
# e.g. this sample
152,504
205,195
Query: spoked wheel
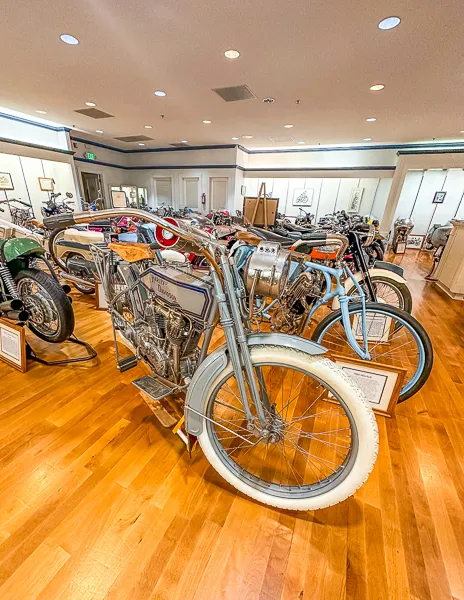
389,291
51,313
394,338
321,438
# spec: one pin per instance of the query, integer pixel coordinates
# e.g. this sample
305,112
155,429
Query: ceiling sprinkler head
268,100
297,101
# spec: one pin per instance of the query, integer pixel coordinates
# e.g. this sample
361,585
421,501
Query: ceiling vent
179,145
232,94
283,139
93,113
134,138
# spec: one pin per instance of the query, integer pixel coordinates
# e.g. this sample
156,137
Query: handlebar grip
60,221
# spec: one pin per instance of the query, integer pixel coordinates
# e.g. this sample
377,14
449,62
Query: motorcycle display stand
92,353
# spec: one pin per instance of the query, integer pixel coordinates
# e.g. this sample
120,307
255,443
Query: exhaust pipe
76,279
15,304
17,315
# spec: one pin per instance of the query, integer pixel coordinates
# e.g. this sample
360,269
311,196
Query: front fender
373,273
217,361
22,246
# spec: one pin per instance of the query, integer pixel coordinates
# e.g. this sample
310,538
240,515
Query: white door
218,193
163,191
191,192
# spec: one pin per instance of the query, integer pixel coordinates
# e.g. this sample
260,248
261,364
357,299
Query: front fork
344,303
237,345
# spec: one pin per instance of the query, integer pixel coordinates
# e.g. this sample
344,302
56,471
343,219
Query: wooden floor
99,501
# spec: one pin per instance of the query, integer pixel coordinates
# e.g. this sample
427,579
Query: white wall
416,197
32,133
25,172
329,194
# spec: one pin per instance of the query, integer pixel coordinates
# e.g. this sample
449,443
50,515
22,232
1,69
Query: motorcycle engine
296,301
175,305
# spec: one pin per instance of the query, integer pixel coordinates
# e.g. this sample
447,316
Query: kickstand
92,353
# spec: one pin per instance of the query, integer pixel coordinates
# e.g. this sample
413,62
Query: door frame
155,196
184,190
211,180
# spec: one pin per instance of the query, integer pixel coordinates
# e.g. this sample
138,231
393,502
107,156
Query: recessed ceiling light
371,120
69,39
41,112
206,122
462,131
99,131
160,93
377,87
367,139
141,144
90,104
148,127
183,141
301,142
231,53
235,138
247,137
288,126
389,23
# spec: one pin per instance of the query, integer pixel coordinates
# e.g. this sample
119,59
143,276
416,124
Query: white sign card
12,345
380,384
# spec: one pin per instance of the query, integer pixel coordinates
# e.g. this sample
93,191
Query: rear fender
216,362
372,272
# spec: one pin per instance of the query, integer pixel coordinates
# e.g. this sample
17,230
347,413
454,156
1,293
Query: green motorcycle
31,295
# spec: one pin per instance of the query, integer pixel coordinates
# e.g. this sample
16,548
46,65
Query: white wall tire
363,416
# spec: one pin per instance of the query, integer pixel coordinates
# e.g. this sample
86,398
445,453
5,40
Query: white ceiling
325,53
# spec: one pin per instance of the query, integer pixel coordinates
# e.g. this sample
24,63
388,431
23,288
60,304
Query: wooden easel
261,196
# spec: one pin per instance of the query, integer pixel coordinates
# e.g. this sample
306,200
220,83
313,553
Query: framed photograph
119,199
439,197
415,241
46,184
6,183
13,345
381,384
303,197
355,200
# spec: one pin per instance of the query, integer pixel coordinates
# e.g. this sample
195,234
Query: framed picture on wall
46,184
303,197
355,199
415,241
119,199
6,183
439,197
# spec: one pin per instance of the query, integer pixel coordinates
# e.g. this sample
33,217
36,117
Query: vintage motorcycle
275,418
29,294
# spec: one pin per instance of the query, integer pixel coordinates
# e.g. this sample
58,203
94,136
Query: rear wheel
52,316
389,291
321,438
394,338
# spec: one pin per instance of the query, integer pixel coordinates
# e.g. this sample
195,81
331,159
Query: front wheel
52,316
321,438
387,290
394,338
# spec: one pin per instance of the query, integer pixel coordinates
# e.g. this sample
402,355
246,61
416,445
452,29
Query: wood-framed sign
6,183
415,241
381,384
46,184
13,345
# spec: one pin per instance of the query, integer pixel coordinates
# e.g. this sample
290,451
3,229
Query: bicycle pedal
124,364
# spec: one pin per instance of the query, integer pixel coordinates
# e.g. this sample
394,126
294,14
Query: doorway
93,189
218,187
163,191
192,192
